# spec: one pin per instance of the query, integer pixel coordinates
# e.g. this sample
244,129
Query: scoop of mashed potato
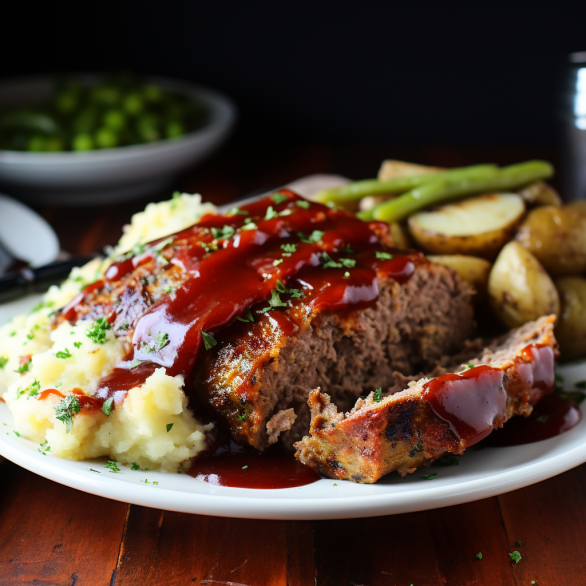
152,426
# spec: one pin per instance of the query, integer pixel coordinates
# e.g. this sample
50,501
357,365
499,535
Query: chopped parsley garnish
155,482
44,448
169,427
40,305
159,342
135,466
24,368
244,467
249,225
97,332
32,390
125,326
77,344
469,365
277,262
242,417
343,262
3,361
383,255
279,198
303,204
335,484
237,212
208,340
515,556
107,406
378,395
66,409
581,384
12,334
271,213
92,470
518,542
288,249
63,355
448,460
112,466
274,302
145,481
248,318
346,275
169,289
220,233
479,555
429,476
313,238
575,396
329,262
16,433
134,363
541,419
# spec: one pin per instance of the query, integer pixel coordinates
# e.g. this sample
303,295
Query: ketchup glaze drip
472,402
232,269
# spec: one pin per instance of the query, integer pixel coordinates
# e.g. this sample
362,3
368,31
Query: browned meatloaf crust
404,430
263,372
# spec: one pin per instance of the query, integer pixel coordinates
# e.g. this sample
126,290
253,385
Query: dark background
391,73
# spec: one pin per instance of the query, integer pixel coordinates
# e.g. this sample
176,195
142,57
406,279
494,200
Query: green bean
356,191
450,188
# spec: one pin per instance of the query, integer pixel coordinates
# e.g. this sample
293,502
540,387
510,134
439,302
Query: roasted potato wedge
540,194
478,226
472,270
519,289
570,329
390,169
557,237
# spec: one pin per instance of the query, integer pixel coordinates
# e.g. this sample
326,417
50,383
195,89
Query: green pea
174,129
36,143
54,144
105,138
147,128
114,119
82,142
133,104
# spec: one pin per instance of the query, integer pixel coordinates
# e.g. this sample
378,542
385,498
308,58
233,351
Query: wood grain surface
51,534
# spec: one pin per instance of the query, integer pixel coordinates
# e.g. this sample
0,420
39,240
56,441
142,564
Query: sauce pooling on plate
230,464
278,252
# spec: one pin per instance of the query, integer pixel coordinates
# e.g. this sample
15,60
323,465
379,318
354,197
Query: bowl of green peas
91,139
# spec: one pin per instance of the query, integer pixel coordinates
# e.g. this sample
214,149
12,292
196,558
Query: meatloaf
257,307
447,411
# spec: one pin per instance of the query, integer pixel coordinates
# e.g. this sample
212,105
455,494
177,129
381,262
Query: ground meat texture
404,430
269,367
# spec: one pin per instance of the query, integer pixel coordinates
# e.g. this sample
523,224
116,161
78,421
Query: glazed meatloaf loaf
448,411
258,307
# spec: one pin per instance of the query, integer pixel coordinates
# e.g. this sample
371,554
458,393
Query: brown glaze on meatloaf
414,427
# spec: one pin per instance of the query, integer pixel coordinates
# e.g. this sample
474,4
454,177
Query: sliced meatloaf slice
403,430
263,370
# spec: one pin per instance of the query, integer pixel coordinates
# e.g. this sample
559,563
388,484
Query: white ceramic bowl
108,175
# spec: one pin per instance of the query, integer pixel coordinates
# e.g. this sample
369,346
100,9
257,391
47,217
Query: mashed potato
152,425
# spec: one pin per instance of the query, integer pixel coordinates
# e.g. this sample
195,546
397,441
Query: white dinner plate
26,234
481,473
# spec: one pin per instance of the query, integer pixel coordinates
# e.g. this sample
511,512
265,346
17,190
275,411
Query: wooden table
51,534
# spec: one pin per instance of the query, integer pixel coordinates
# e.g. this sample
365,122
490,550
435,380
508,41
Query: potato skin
479,243
557,237
540,194
519,289
570,329
472,270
